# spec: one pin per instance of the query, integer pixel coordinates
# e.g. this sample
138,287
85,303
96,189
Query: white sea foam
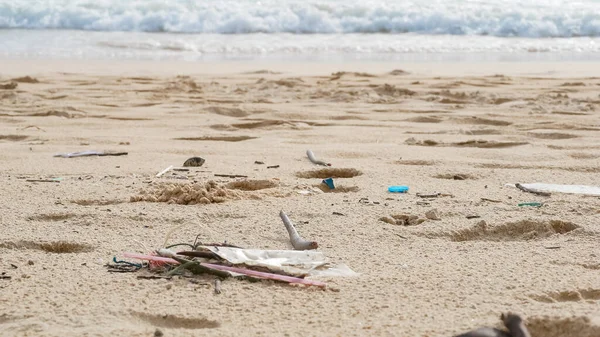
407,47
506,18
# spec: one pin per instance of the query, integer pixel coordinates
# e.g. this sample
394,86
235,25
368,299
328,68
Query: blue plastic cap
398,189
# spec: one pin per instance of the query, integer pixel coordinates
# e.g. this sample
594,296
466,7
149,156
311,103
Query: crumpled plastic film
294,262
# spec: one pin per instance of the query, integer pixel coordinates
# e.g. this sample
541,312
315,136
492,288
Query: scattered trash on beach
314,160
570,189
194,162
228,261
90,153
513,323
398,189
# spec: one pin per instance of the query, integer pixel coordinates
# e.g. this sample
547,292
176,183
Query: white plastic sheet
571,189
294,262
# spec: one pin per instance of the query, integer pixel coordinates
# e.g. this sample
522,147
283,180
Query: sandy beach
459,129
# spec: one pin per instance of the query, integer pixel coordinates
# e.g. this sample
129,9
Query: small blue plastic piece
398,189
329,183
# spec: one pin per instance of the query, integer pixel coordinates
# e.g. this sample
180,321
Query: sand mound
329,173
391,90
251,185
25,79
203,193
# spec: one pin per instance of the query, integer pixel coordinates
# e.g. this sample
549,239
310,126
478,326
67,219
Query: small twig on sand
273,166
434,195
42,181
89,153
314,160
217,286
400,236
530,190
230,175
159,174
297,242
491,200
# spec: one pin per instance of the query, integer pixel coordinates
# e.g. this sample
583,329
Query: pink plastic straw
270,276
289,279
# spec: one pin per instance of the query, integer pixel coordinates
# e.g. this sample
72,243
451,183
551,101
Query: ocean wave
509,18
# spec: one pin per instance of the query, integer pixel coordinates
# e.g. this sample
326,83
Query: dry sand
489,123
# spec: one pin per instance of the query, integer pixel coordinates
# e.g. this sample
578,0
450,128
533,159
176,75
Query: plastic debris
89,153
571,189
398,189
329,183
532,204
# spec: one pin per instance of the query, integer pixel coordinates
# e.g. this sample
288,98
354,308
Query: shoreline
17,67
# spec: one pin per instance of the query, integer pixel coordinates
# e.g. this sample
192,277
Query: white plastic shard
294,262
571,189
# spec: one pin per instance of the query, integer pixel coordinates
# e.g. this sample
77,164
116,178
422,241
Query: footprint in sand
50,247
175,322
562,327
578,295
523,230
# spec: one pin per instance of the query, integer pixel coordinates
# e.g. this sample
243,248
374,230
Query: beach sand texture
432,128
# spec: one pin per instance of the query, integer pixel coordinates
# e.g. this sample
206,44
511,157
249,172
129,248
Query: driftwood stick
42,181
230,175
434,195
195,253
297,242
530,190
491,200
